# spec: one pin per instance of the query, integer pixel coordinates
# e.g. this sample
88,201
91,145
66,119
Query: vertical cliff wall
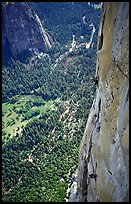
22,30
103,170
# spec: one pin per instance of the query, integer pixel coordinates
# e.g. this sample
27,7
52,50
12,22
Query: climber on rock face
95,80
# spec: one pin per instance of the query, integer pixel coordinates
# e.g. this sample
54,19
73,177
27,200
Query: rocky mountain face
103,169
22,30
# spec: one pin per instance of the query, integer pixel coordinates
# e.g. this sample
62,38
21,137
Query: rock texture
103,169
22,29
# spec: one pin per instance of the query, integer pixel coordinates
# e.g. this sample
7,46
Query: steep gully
74,45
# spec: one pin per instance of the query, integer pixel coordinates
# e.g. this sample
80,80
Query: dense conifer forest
45,105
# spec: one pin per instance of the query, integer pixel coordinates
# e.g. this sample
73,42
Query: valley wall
103,169
22,30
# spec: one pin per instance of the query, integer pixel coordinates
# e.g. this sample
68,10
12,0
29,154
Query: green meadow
20,111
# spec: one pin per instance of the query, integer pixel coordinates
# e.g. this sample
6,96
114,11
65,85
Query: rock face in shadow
22,30
103,169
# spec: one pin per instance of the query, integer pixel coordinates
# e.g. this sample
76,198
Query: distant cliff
22,30
103,169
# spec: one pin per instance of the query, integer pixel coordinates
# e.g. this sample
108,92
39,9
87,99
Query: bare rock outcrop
22,30
103,169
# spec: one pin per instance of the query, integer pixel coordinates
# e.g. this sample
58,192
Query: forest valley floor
46,103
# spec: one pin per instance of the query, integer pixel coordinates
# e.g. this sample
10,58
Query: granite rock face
22,29
103,169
